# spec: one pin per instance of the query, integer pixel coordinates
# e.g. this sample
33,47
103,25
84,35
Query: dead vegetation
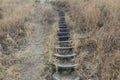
96,36
48,14
60,4
14,31
95,26
49,20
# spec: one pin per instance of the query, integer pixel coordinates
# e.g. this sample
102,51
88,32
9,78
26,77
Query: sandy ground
30,68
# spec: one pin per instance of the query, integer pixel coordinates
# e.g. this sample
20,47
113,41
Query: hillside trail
30,69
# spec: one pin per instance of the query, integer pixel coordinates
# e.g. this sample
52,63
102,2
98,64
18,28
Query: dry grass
13,24
96,37
48,19
62,4
48,14
14,31
49,51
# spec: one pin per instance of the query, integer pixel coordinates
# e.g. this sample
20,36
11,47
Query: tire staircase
64,53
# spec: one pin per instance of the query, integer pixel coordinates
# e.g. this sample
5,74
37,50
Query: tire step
62,33
63,25
62,19
61,14
65,56
57,76
63,30
64,48
62,22
64,43
65,67
60,42
63,38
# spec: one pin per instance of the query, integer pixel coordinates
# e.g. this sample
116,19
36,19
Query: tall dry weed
96,23
15,29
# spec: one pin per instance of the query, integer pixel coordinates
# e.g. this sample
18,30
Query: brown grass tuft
96,37
15,30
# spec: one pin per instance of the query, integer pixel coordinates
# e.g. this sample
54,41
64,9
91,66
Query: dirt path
30,69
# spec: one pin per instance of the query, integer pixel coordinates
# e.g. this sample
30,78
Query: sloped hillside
15,30
96,33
